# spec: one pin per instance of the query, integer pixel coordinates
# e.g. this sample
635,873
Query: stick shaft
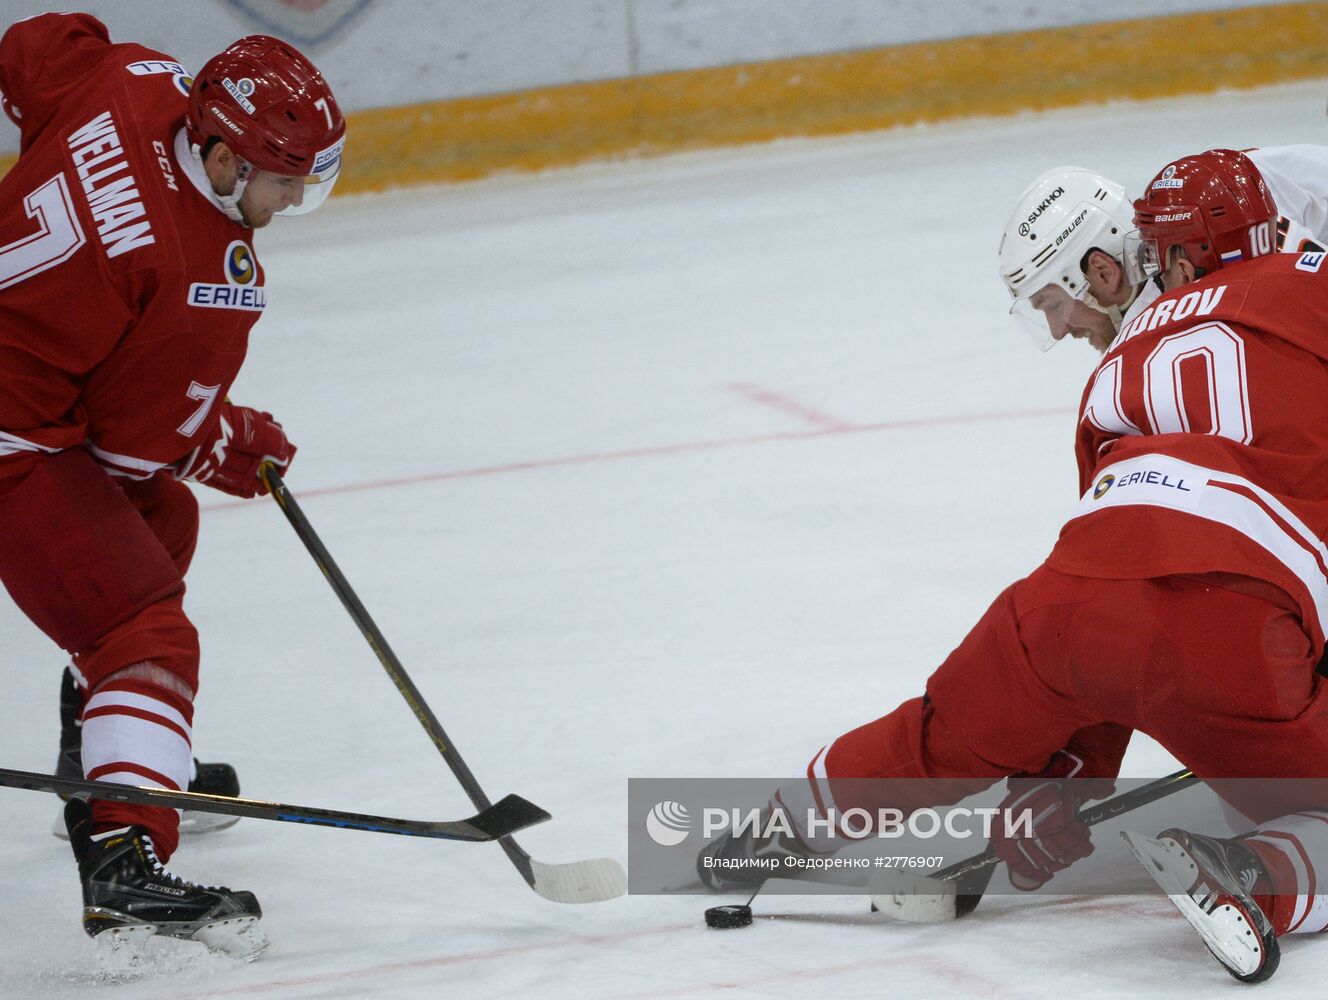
512,813
388,659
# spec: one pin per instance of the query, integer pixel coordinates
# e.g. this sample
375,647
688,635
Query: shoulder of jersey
134,210
1308,262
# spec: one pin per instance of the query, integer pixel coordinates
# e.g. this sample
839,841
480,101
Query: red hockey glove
242,439
1047,835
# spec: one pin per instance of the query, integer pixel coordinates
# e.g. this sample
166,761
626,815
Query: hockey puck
725,917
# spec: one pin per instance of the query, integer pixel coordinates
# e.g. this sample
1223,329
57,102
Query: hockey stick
955,891
576,882
506,816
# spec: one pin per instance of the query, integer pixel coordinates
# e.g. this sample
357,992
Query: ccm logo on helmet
1025,227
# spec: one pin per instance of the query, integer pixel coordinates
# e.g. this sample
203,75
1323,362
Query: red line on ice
787,404
650,451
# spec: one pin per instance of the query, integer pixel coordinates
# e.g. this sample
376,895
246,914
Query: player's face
1068,316
266,194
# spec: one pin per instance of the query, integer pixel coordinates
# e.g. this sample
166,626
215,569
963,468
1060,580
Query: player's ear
1100,264
221,165
1180,259
1178,265
219,153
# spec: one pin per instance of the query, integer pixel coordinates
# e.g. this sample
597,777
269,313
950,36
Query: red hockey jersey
126,294
1203,437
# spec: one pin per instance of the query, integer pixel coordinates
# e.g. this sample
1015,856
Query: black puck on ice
725,917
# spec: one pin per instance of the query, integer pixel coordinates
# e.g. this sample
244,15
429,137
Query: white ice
667,468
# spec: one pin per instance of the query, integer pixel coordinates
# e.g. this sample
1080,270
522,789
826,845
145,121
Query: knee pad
171,511
86,562
160,634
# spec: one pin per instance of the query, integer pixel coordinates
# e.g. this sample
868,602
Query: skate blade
192,824
1225,931
133,951
121,952
240,938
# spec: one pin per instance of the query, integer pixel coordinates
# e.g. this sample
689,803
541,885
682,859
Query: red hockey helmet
1214,205
273,108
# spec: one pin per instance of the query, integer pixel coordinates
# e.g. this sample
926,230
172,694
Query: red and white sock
134,735
809,797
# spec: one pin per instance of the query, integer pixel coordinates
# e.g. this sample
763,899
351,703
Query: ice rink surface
648,469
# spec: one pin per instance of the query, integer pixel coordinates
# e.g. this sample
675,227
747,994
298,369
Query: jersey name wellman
111,190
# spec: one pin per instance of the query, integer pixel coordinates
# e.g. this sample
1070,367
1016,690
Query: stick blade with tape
915,898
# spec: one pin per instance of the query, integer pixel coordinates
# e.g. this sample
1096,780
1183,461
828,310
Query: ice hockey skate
1210,881
208,779
128,897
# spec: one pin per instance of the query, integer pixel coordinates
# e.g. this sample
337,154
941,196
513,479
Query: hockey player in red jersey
1187,598
128,287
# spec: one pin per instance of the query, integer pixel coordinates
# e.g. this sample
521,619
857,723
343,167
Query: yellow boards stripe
841,92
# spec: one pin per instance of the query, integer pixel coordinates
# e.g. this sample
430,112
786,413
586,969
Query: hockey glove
242,439
1044,834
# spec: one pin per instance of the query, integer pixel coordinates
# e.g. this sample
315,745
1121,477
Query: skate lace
160,871
1247,877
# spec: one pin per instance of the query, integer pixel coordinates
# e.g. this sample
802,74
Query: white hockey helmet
1062,215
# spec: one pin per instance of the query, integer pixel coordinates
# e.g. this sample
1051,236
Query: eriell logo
1168,179
1143,477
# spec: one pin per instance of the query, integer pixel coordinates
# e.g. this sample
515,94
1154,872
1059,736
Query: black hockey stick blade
500,819
956,891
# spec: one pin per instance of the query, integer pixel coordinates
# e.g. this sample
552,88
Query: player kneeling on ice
128,286
1062,256
1187,597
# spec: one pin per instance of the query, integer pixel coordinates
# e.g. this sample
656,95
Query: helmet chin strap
1115,313
230,203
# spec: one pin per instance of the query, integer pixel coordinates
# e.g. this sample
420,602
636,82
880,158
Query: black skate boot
70,762
742,863
129,896
1211,881
208,779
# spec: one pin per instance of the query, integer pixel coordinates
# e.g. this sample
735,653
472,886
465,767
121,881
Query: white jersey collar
192,168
